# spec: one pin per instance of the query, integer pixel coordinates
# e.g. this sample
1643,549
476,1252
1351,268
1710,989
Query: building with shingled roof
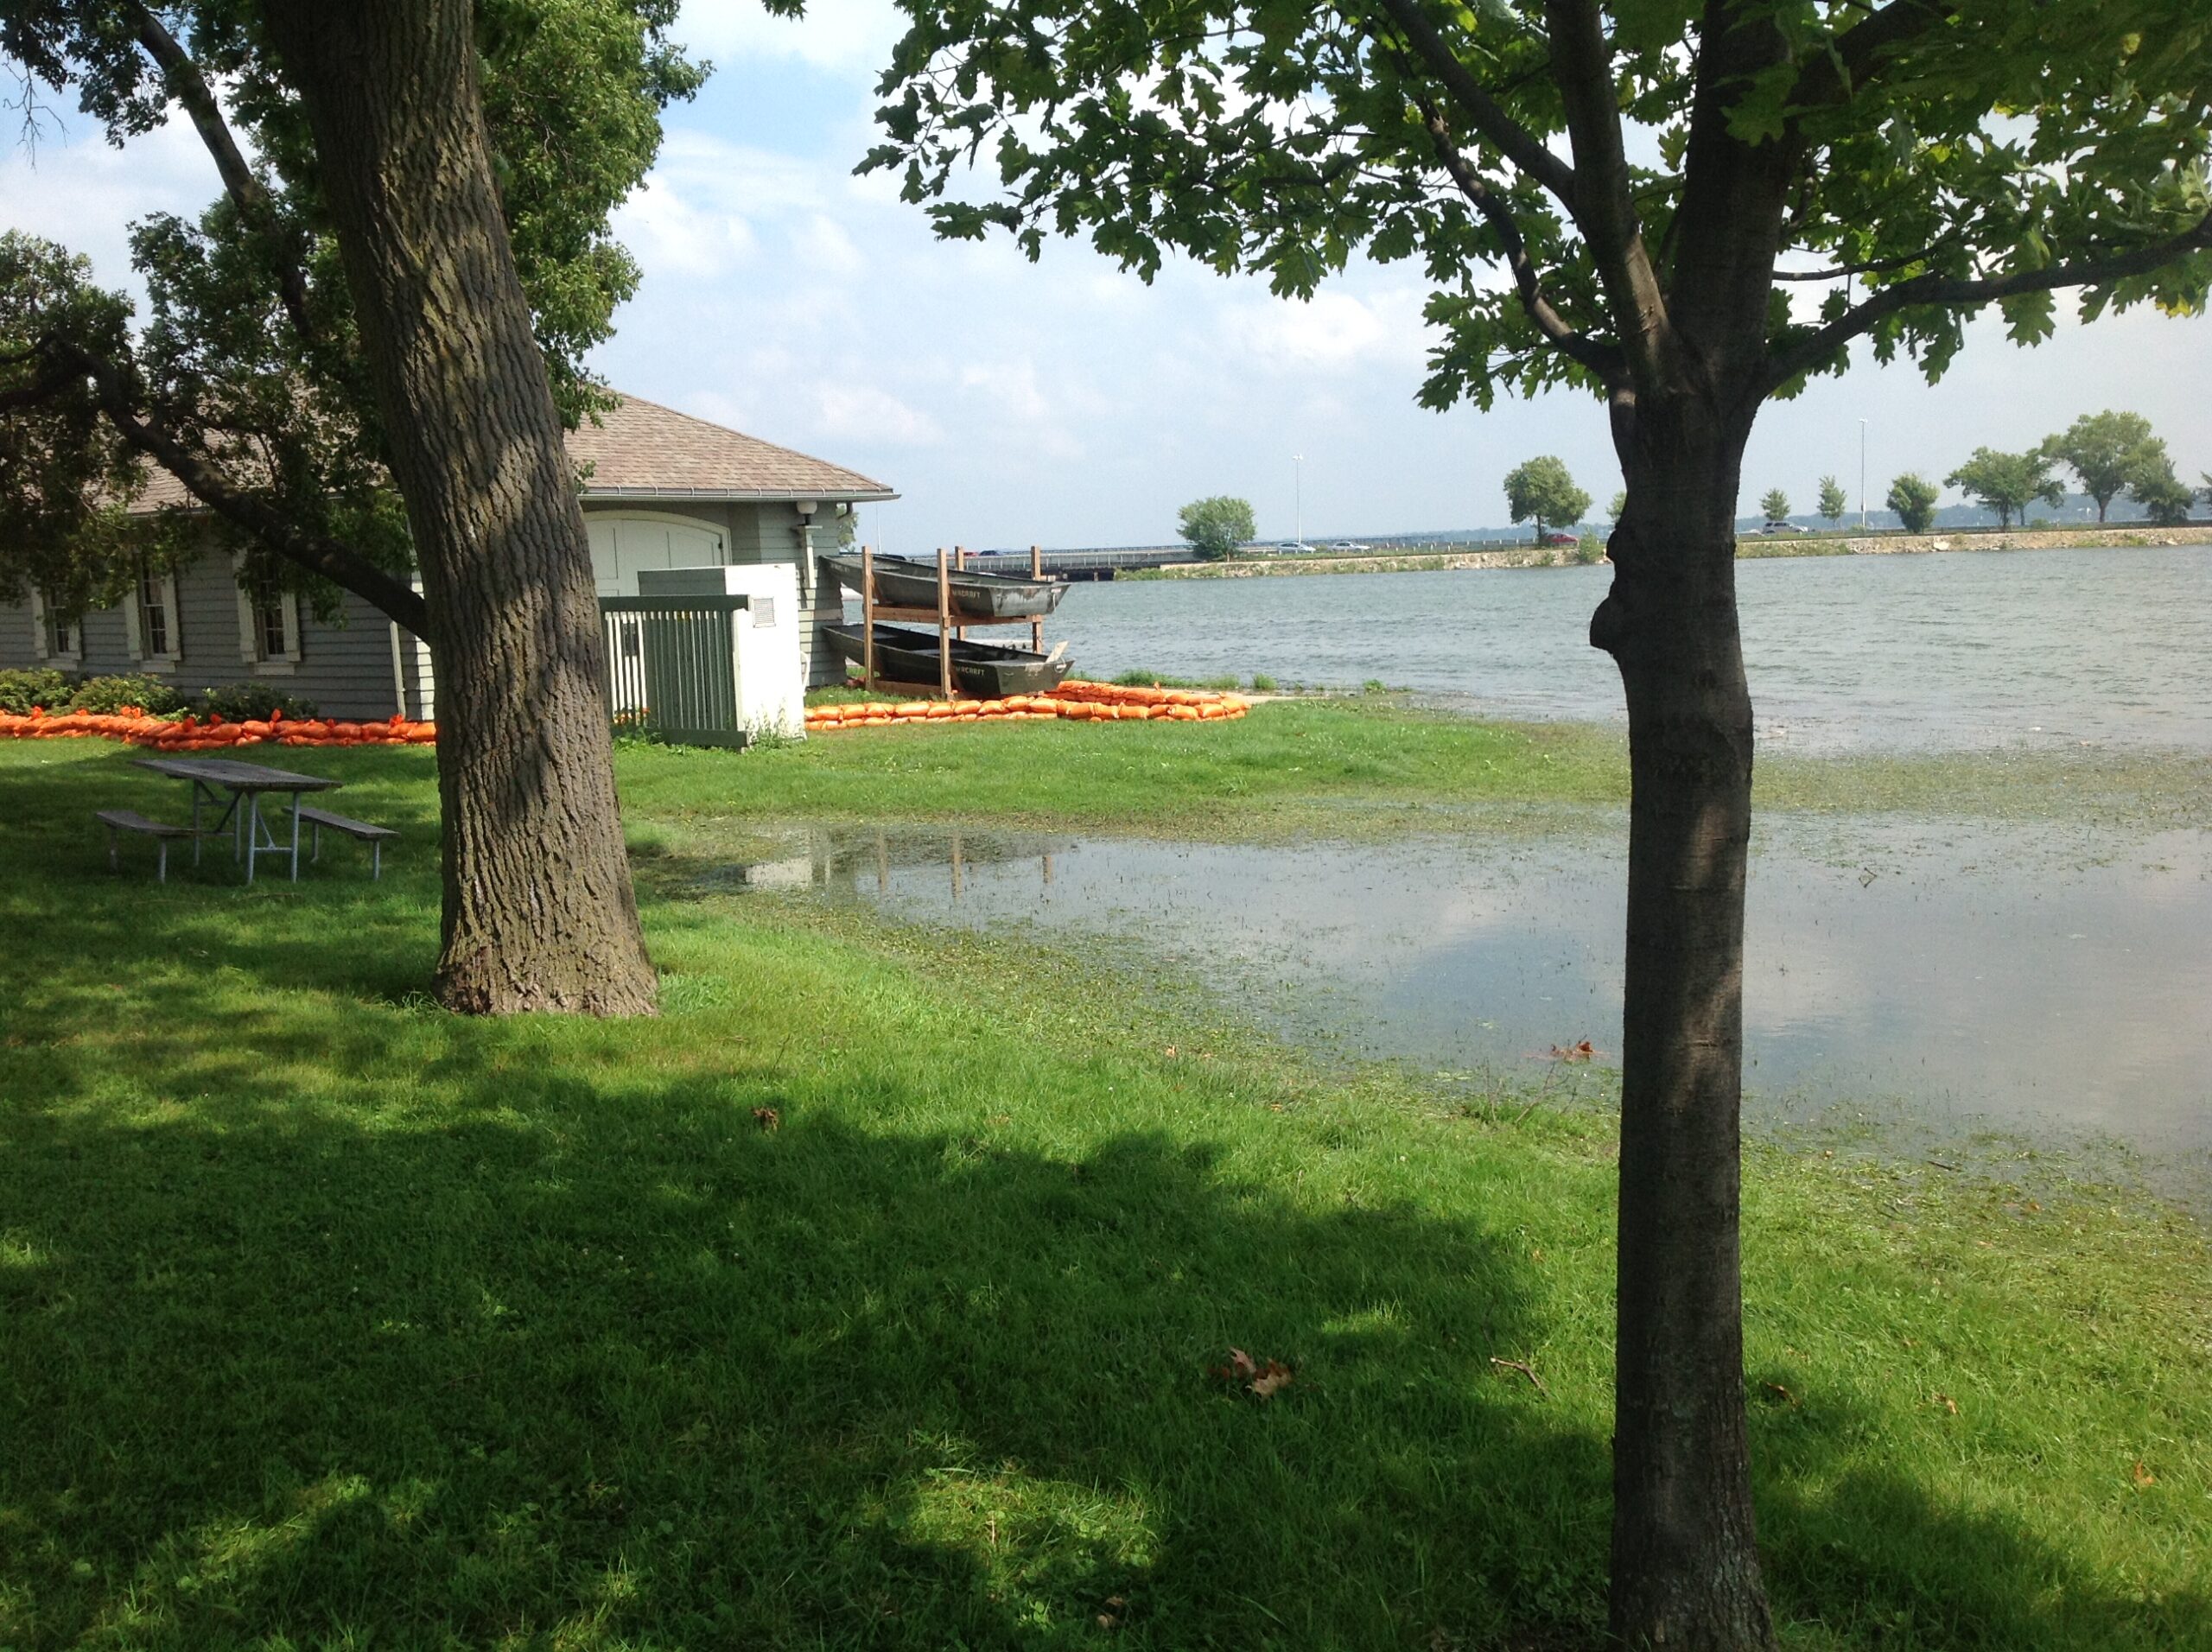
661,490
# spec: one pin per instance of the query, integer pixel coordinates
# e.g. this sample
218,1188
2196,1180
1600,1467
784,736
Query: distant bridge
1094,564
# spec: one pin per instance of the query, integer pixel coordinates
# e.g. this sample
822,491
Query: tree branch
1860,52
1938,289
1483,113
339,564
1604,206
1601,359
53,379
185,82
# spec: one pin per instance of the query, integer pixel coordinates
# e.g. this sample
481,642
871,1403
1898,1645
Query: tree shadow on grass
330,1324
621,1367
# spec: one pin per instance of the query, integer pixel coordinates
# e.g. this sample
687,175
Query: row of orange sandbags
1074,701
190,734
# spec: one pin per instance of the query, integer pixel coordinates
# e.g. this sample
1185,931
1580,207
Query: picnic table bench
251,835
120,820
374,836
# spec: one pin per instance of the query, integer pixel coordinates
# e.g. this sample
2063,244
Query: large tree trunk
539,912
1685,1563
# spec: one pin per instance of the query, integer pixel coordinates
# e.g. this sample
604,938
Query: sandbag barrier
213,733
1074,701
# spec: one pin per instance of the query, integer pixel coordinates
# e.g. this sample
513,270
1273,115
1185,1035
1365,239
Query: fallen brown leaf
1948,1403
1583,1051
2143,1475
766,1117
1274,1377
1780,1393
1262,1381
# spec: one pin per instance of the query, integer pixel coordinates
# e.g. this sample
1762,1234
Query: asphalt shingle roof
640,449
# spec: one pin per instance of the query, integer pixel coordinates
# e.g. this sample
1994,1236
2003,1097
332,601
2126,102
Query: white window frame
250,638
42,622
133,615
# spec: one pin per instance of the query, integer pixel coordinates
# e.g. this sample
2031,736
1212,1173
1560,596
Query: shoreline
1886,544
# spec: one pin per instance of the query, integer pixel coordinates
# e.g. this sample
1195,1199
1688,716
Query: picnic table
251,835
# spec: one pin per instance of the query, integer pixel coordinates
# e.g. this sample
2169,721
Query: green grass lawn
330,1320
1348,767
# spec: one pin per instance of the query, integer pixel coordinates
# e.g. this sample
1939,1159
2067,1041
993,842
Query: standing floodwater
2023,976
1926,652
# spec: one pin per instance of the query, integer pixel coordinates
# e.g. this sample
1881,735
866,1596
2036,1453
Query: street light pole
1298,494
1862,475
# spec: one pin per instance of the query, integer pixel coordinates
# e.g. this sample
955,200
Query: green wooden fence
672,666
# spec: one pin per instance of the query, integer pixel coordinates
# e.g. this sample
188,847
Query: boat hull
903,584
980,670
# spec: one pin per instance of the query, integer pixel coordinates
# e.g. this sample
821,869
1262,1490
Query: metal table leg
296,837
252,824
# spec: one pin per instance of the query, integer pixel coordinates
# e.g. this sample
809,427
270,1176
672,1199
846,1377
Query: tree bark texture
1685,1560
539,909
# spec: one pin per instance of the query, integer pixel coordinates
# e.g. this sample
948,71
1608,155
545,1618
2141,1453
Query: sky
1067,403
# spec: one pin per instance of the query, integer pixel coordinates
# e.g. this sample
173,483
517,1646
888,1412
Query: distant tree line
2110,453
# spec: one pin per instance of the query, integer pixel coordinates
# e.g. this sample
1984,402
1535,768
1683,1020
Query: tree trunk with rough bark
1685,1558
539,909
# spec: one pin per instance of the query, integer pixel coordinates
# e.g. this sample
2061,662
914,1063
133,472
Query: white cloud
863,412
1010,394
834,35
1012,387
75,188
671,234
1336,332
824,248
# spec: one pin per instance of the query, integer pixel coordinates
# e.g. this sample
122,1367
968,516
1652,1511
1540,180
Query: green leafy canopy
246,359
1216,526
1946,147
1542,490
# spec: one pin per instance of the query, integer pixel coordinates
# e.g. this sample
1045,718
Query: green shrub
248,702
106,696
21,691
1262,683
1589,548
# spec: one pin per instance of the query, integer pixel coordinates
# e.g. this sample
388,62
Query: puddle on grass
1958,976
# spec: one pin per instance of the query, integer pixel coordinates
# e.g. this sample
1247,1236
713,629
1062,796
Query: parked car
1290,548
1554,536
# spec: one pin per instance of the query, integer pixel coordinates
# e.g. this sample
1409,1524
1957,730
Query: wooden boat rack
948,624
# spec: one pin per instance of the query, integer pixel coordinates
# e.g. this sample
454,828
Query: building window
269,622
154,614
154,642
58,639
269,625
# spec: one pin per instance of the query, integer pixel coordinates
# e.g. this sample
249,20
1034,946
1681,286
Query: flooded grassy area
867,1296
1360,767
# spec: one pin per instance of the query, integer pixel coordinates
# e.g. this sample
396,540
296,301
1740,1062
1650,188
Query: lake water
1947,975
1962,975
1943,652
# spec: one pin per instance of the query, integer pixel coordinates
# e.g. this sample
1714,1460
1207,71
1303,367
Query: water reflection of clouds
2018,974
